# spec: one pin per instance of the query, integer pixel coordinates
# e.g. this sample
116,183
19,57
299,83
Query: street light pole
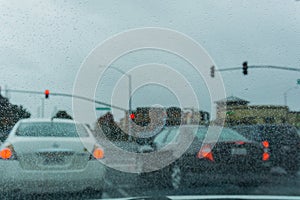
130,88
286,92
285,98
129,94
129,85
285,95
130,105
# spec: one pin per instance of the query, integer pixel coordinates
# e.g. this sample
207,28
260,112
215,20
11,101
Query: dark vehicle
282,140
231,154
4,134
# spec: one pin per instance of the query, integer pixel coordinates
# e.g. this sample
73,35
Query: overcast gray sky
43,44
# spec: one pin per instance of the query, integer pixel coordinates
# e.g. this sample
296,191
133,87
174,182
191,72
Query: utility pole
42,108
38,114
5,91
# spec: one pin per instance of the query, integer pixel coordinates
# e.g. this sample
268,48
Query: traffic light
47,92
132,116
202,116
245,68
212,71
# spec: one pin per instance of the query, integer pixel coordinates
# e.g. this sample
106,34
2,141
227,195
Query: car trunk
238,154
227,156
52,153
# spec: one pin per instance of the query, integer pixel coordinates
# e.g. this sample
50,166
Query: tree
62,114
173,116
10,114
107,125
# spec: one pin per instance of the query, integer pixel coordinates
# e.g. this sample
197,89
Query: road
120,184
129,185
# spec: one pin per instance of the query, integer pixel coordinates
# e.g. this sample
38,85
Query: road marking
123,192
120,190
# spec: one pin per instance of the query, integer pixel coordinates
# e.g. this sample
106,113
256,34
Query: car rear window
280,134
227,134
252,133
274,134
51,129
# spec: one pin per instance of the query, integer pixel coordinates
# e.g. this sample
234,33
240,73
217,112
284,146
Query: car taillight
240,142
97,153
265,144
7,153
265,156
205,152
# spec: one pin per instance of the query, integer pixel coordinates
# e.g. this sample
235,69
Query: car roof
57,120
269,131
188,126
267,125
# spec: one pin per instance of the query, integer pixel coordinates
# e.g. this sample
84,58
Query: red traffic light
47,92
132,116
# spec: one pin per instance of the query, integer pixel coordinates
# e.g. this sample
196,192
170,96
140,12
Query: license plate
286,148
54,161
239,151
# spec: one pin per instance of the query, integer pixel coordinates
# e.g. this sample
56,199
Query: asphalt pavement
120,184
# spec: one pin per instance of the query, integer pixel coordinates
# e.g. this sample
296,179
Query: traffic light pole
66,95
260,67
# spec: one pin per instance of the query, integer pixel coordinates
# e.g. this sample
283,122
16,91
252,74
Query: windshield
274,134
51,129
172,135
128,99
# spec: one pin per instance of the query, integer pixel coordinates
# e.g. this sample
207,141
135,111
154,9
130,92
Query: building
174,116
194,116
294,118
236,111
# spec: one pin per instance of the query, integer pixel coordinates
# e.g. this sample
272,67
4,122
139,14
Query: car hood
194,197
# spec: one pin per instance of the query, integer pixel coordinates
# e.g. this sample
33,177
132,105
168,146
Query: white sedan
46,156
